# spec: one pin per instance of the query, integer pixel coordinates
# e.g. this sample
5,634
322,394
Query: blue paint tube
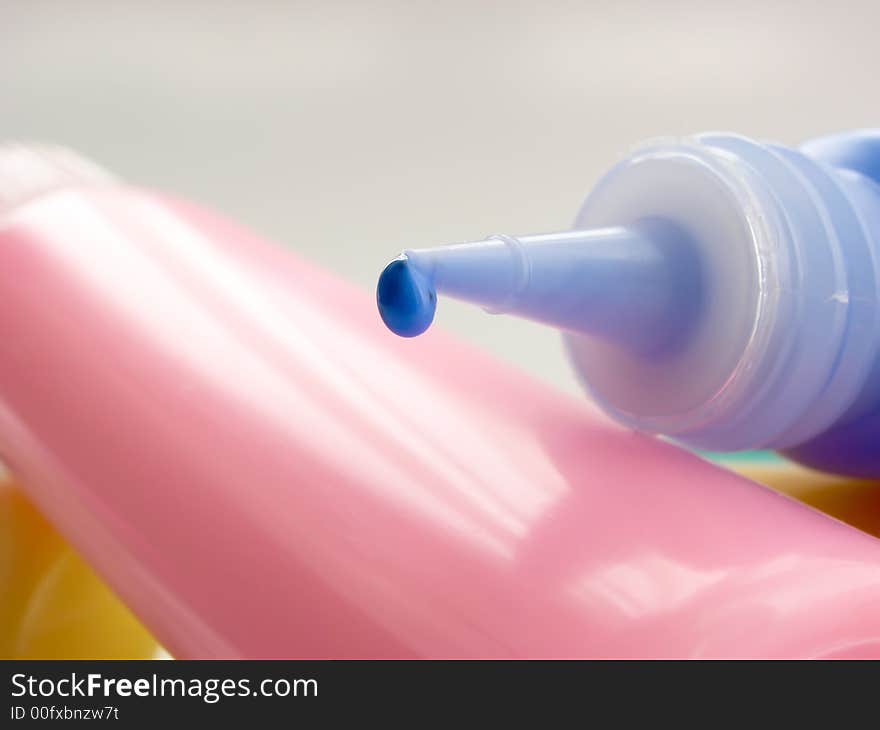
717,290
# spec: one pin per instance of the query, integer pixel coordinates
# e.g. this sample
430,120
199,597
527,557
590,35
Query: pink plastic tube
260,469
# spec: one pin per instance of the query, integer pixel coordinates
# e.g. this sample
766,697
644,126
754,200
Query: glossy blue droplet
406,298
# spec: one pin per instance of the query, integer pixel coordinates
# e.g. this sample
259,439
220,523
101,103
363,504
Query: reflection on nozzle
633,286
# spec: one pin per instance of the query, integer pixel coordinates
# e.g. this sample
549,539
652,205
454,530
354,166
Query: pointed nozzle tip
406,298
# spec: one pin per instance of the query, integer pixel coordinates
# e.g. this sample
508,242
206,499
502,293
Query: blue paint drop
406,298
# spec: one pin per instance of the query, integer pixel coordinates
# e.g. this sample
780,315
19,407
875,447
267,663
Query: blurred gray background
350,130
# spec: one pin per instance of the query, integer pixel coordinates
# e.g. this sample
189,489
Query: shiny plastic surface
80,618
258,468
52,605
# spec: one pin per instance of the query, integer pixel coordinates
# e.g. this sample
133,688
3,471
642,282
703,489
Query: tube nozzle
629,285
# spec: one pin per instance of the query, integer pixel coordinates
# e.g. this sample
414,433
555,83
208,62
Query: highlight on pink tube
258,468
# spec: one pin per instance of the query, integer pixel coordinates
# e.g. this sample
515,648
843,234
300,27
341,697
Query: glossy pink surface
260,469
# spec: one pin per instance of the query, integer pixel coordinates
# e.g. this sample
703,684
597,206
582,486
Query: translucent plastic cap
706,291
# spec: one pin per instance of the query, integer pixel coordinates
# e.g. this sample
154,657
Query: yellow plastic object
52,606
854,501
